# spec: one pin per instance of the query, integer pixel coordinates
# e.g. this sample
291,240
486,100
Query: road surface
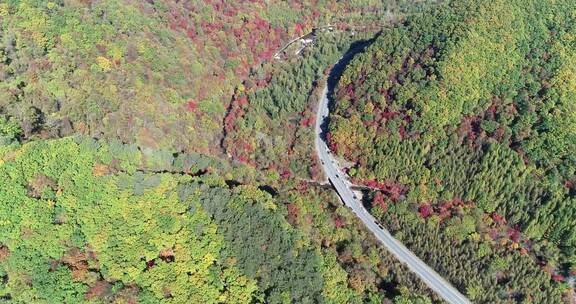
442,287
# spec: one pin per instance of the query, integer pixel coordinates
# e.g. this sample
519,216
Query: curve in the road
338,179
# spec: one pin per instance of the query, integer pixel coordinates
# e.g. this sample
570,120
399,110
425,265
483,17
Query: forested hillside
155,73
463,122
85,221
143,155
159,152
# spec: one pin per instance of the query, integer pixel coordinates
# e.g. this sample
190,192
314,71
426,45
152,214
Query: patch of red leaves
557,278
191,106
380,201
338,222
425,211
293,212
394,191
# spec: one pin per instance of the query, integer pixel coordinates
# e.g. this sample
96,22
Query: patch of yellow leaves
104,63
100,170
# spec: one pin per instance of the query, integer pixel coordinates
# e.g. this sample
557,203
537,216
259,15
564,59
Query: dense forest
143,155
162,151
462,121
86,221
156,73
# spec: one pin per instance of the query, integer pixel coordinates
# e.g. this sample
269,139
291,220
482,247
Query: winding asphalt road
338,179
